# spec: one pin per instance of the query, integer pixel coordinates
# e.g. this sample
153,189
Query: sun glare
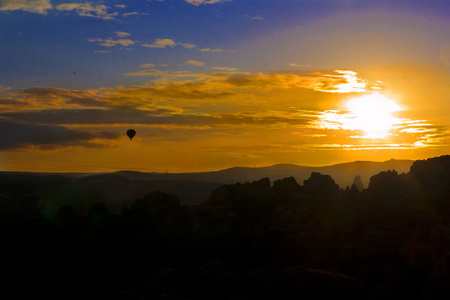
373,114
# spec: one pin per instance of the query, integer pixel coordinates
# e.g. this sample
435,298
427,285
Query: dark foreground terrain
247,241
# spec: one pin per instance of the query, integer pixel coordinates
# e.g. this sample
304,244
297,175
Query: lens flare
373,114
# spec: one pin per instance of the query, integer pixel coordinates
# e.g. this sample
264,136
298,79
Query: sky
212,84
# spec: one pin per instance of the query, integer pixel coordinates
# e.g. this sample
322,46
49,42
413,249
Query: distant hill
343,174
80,190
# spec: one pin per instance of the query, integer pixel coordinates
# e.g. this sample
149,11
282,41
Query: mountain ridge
119,188
342,173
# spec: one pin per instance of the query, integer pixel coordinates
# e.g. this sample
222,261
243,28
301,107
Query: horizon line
210,171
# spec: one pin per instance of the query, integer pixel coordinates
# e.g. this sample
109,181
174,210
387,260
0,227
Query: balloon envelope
131,133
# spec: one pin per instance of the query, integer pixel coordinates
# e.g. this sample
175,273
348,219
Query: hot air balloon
131,133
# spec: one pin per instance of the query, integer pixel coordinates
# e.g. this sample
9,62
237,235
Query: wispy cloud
200,2
121,34
103,51
111,42
135,13
84,9
181,100
194,63
196,91
155,72
3,88
34,6
88,10
48,98
223,68
161,43
166,42
342,81
212,50
174,85
298,65
187,45
130,115
352,84
24,135
257,17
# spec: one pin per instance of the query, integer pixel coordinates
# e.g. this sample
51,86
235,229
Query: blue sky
46,47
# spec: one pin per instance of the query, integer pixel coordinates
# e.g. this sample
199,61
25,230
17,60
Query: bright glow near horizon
372,114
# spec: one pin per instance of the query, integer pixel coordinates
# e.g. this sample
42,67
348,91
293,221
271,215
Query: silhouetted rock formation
321,186
67,221
98,218
156,212
357,183
433,177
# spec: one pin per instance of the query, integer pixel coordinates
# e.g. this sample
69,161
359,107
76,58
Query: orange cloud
340,82
161,43
215,104
194,63
200,2
23,135
35,6
88,10
111,42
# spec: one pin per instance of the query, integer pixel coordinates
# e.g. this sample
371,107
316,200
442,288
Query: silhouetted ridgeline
343,174
253,240
80,191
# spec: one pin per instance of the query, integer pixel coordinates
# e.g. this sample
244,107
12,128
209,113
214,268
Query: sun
373,114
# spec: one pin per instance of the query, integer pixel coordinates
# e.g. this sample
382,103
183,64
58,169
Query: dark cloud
260,120
336,81
116,115
250,79
20,135
10,101
88,102
52,92
339,81
12,104
221,86
129,115
81,98
187,91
